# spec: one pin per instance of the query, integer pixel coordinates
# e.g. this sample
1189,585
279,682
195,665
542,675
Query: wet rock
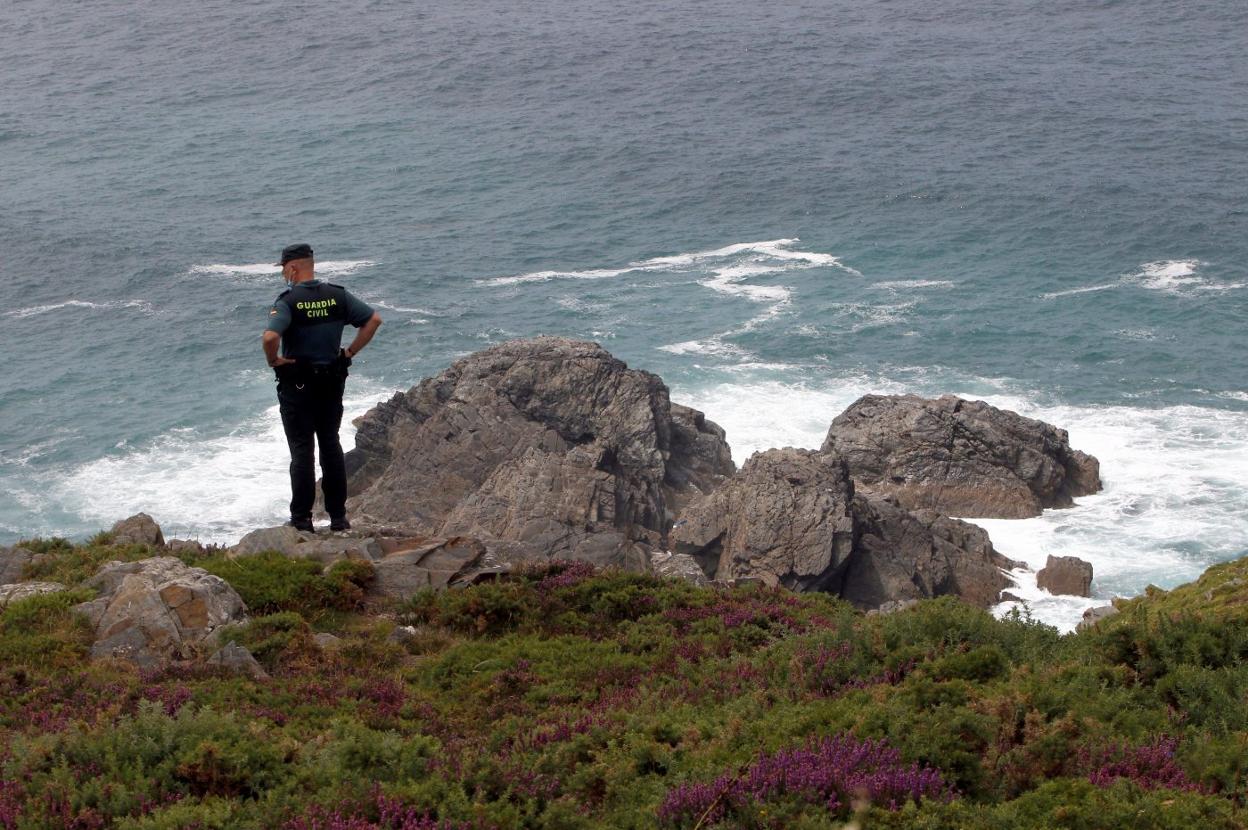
541,447
21,590
238,660
156,609
139,529
962,458
1066,575
1007,596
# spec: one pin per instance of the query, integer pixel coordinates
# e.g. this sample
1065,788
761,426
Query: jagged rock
1066,575
1092,616
677,566
21,590
188,545
901,555
1007,596
13,562
784,518
963,458
238,660
155,609
435,563
324,548
541,447
139,529
790,517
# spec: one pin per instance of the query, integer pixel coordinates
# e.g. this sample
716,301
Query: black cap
300,250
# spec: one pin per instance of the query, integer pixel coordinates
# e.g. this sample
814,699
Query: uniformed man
308,319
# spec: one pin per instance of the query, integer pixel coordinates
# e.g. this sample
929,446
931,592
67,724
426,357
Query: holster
304,373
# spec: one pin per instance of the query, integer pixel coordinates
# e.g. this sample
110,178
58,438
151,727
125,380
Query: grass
566,697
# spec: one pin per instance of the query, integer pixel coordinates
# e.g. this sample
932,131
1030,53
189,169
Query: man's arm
270,342
364,335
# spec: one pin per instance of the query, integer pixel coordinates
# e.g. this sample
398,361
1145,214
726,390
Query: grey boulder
236,659
1066,575
963,458
139,529
13,562
785,518
157,609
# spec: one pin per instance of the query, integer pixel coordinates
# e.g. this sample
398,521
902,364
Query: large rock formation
155,609
963,458
784,518
904,555
541,447
790,517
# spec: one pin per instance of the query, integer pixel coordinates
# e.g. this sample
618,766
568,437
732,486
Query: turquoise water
776,209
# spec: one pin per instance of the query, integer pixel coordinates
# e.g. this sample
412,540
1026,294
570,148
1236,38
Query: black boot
304,524
340,523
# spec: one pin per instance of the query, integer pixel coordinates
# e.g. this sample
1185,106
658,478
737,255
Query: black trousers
312,411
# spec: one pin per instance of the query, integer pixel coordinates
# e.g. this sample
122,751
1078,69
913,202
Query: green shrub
271,582
43,631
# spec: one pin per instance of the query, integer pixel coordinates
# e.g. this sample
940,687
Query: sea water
776,207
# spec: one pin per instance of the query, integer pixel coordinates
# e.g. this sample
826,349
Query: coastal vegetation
565,696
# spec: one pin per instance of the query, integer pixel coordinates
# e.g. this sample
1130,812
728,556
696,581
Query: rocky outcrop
13,562
139,529
962,458
156,609
324,548
1066,575
784,518
904,555
791,517
677,566
542,447
435,563
21,590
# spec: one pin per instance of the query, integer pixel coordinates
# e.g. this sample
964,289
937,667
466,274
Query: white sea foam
908,285
1176,479
31,311
211,487
1172,276
1087,289
728,270
265,269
